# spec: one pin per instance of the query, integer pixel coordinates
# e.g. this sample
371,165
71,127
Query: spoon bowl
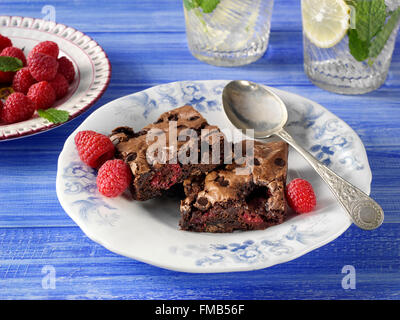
252,106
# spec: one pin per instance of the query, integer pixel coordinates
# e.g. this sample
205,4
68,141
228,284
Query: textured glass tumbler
336,70
234,33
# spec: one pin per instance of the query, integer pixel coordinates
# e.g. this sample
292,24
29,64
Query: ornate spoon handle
363,210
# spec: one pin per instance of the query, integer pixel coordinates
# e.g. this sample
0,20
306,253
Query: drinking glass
228,32
344,68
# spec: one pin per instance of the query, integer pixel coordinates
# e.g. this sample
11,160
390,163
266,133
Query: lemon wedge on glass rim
325,22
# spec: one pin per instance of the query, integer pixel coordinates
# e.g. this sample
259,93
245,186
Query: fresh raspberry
42,95
66,68
23,80
4,42
6,77
114,178
300,196
60,85
94,148
15,53
167,176
49,48
43,67
18,107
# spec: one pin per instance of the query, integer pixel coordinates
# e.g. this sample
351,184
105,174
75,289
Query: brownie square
168,151
225,201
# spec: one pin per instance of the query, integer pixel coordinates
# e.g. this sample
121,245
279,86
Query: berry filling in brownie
168,151
225,200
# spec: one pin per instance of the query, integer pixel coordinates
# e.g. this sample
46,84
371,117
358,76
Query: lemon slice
325,22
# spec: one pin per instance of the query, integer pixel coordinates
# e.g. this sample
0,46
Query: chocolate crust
151,177
224,201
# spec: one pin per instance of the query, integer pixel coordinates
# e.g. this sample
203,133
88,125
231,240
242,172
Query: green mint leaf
191,4
359,49
10,64
378,43
370,18
208,6
54,115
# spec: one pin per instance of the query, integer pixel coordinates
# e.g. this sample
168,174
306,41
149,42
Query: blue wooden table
146,43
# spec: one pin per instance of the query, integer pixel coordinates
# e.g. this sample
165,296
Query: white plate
148,231
93,70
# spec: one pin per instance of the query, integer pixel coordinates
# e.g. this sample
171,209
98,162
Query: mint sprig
208,6
382,37
374,25
10,64
370,18
359,49
54,115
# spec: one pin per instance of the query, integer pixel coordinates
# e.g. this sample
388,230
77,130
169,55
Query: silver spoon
252,106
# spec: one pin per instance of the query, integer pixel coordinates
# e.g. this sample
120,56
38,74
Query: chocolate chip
194,118
131,156
280,162
202,201
159,121
222,181
140,133
256,162
173,117
126,130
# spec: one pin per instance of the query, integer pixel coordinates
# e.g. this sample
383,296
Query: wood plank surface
146,43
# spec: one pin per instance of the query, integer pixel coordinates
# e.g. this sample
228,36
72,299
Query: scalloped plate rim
211,269
92,100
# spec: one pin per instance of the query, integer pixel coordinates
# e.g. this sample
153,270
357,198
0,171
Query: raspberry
60,85
94,148
66,68
43,67
6,77
49,48
23,80
4,42
42,95
166,177
300,196
15,53
113,178
18,107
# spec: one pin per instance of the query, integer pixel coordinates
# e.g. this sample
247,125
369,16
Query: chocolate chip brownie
224,201
180,144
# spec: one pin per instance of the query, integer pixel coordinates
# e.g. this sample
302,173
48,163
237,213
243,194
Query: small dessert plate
93,69
148,231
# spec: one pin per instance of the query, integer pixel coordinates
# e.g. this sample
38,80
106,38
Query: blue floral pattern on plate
127,227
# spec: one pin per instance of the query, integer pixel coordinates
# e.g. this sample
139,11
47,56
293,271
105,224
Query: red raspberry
60,85
18,107
15,53
4,42
6,77
114,178
66,68
42,95
167,176
49,48
23,80
94,148
300,196
43,67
